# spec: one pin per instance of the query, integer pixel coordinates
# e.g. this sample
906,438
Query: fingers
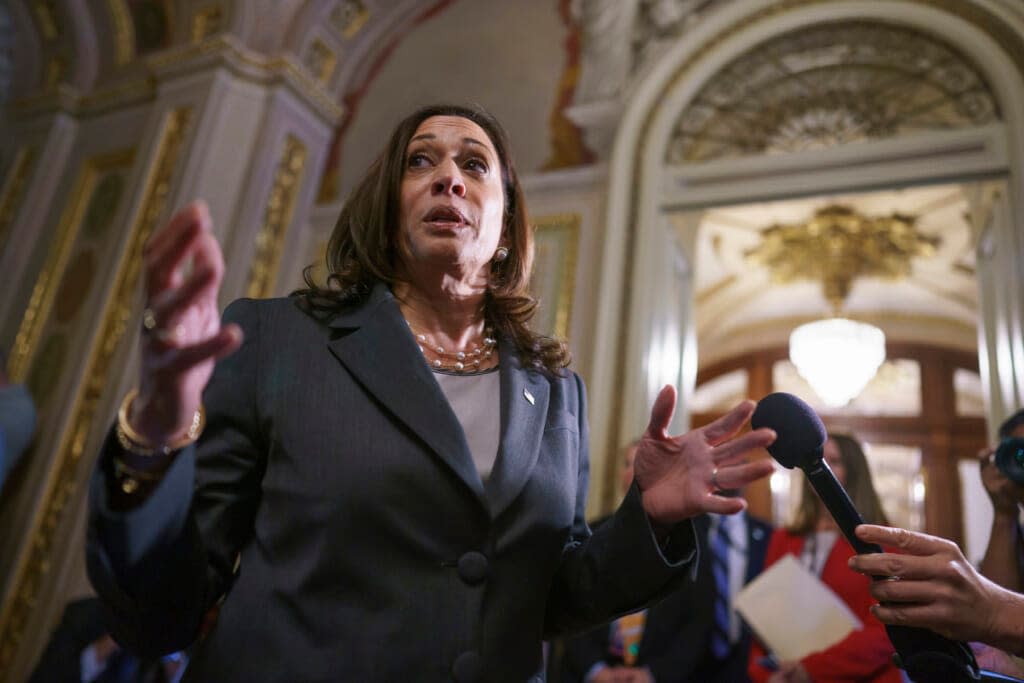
661,413
168,249
739,476
910,542
222,344
730,423
721,505
169,305
741,446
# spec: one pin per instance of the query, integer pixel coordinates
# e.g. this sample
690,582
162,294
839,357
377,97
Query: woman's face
835,461
452,197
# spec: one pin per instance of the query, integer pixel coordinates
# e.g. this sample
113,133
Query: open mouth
445,215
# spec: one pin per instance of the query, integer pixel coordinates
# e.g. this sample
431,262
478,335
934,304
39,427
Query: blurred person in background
1004,557
865,655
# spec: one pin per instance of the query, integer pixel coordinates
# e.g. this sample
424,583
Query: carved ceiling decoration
838,245
348,17
831,85
739,303
206,22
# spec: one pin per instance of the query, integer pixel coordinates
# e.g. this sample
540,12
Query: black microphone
800,442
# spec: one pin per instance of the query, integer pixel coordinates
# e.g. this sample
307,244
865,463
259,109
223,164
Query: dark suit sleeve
620,567
161,565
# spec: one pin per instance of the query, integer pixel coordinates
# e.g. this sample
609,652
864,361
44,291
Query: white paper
793,612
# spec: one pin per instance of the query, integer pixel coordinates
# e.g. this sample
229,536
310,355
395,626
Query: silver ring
148,319
714,480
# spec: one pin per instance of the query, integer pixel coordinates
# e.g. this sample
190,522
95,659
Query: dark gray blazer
334,501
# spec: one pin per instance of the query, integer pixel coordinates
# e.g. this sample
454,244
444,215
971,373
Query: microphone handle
835,498
923,654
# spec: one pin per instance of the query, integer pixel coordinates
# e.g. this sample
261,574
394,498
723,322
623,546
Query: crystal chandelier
838,356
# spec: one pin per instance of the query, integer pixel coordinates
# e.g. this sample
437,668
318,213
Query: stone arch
988,35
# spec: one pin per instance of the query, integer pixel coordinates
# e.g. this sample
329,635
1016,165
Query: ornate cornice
227,52
220,51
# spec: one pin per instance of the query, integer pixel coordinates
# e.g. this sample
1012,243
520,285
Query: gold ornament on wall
320,61
13,189
207,22
553,282
348,17
276,217
45,289
45,12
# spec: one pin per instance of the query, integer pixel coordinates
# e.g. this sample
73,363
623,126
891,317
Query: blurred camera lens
1010,458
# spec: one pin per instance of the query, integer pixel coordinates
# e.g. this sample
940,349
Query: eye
417,160
476,164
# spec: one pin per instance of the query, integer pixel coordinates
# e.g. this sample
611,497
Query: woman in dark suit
391,478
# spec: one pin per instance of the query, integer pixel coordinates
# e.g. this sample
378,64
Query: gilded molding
569,225
45,290
321,60
276,217
63,478
56,71
226,50
13,190
46,18
124,31
219,50
348,17
207,22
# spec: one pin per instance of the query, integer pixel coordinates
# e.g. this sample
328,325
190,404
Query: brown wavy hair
363,248
858,485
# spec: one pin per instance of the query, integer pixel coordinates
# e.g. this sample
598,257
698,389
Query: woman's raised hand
679,476
181,332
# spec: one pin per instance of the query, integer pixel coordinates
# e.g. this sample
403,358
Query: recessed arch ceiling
735,296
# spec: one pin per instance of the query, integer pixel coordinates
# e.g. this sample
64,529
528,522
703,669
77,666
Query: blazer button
473,567
468,667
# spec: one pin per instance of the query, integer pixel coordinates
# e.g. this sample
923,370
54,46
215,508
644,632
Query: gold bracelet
137,444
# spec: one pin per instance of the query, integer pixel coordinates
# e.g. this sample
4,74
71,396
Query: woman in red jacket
865,655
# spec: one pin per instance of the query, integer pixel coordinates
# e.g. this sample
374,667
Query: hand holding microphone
800,442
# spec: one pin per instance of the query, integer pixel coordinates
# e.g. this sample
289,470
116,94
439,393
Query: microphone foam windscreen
800,432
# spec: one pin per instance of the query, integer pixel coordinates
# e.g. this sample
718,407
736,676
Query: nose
449,180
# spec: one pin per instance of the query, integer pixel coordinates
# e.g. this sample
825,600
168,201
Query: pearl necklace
458,361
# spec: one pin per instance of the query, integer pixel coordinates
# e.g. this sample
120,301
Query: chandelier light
837,357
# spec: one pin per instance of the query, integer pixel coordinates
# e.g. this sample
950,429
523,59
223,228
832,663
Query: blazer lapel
524,409
382,355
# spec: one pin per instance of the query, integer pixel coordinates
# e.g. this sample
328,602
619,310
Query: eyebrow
431,136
